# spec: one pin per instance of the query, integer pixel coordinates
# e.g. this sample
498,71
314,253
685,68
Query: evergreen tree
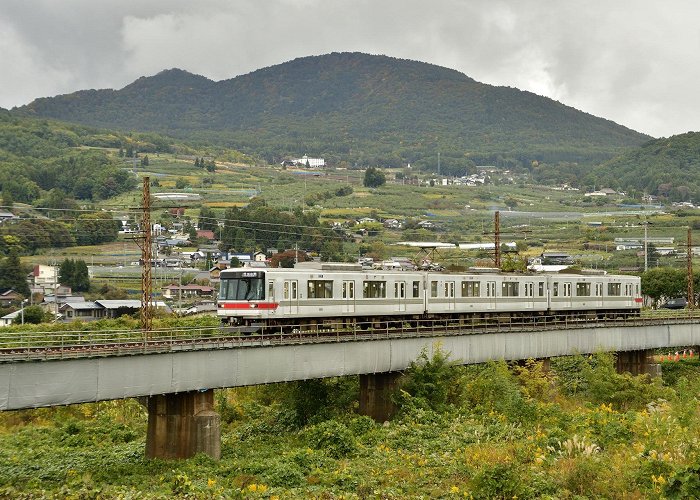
66,272
144,161
13,275
74,273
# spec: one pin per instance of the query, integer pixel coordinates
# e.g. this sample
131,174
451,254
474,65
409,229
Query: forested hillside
355,108
667,167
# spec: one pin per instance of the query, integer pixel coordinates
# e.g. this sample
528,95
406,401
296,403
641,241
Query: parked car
676,303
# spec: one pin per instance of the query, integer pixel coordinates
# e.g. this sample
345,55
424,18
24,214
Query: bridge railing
33,345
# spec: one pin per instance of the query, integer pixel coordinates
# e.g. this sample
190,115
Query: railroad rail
47,345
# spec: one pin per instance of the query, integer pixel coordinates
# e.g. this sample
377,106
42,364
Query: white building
305,161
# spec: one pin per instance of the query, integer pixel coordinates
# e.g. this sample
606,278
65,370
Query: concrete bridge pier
638,363
375,395
182,425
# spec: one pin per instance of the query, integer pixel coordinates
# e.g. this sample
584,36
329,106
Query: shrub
332,437
431,382
500,480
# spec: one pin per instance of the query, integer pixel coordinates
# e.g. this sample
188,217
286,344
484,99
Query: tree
374,178
75,274
33,314
13,275
144,161
664,282
207,219
180,183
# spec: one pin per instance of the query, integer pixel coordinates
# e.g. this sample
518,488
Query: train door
400,295
290,294
567,294
491,294
529,295
599,295
348,296
450,295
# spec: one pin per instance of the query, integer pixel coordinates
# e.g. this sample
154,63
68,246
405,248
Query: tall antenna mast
497,239
146,255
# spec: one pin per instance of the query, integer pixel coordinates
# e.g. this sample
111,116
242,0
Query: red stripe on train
248,305
638,300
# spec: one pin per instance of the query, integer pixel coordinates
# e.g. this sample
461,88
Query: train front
242,298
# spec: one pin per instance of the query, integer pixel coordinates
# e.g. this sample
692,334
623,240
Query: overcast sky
636,62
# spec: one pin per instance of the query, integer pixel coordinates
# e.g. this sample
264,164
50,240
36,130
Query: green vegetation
492,431
353,109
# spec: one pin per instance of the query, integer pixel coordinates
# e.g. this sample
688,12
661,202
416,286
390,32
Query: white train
323,293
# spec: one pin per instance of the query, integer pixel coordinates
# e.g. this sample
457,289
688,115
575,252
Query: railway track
37,346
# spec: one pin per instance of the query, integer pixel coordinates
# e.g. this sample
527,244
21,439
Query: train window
285,290
510,289
583,289
555,289
470,289
541,288
400,289
271,290
374,289
614,289
320,289
598,289
636,288
567,289
416,289
348,289
433,288
490,288
450,289
243,287
529,289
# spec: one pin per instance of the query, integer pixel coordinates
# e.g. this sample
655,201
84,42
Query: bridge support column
638,363
182,425
375,395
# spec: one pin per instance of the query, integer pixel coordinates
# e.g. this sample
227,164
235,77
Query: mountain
667,167
352,107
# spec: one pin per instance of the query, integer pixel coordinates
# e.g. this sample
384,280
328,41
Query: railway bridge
176,371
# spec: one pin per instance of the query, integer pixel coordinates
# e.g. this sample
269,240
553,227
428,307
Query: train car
325,293
317,293
595,295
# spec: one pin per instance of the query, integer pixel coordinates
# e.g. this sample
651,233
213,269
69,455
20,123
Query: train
316,293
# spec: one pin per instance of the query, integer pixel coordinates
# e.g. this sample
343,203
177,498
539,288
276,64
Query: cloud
630,61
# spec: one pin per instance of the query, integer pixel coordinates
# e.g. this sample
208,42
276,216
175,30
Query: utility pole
438,163
497,239
146,256
646,247
691,294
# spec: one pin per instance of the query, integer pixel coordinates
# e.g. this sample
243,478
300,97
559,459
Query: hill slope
355,107
668,167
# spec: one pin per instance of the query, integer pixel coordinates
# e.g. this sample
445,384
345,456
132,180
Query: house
215,270
206,234
8,297
44,278
426,224
187,291
366,220
81,311
259,257
392,224
8,319
556,259
91,311
4,215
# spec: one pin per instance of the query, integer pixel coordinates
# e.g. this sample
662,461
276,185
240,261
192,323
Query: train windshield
243,286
